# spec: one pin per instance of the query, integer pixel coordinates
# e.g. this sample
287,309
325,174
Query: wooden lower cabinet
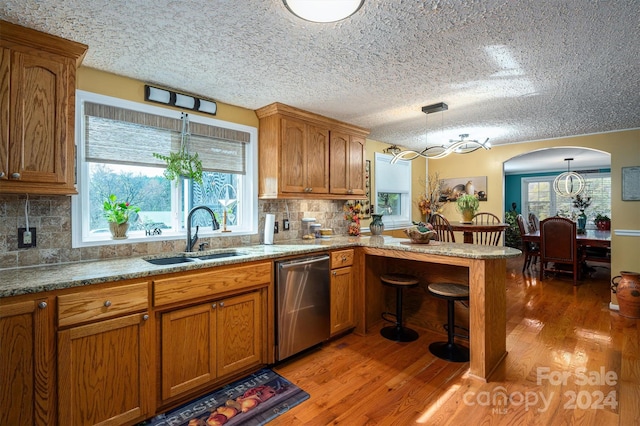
342,317
209,341
105,372
27,348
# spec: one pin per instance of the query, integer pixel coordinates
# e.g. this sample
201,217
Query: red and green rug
254,400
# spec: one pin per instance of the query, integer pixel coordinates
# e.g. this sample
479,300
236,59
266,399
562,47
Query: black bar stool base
403,334
449,352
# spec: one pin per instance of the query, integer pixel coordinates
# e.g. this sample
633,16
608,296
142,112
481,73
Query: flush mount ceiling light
568,184
434,152
180,100
323,10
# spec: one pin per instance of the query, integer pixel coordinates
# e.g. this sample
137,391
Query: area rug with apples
253,400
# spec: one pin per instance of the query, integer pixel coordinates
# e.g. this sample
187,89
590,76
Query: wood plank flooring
560,338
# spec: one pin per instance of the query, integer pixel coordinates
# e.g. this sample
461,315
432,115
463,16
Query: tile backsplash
51,216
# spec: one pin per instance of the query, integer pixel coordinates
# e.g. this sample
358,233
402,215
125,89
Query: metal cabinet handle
213,305
42,305
107,303
15,176
145,317
1,174
344,258
334,273
222,304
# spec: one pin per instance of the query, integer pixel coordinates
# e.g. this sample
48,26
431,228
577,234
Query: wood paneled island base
487,297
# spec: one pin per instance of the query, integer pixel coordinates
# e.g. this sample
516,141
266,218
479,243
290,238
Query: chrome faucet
192,241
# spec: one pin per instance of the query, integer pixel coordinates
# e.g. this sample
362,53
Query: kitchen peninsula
152,300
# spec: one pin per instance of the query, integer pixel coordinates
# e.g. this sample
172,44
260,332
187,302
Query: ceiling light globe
323,10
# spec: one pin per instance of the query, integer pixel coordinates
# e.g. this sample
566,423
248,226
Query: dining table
590,238
468,229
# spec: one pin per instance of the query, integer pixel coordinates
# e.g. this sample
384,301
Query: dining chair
534,223
558,245
531,250
442,227
487,238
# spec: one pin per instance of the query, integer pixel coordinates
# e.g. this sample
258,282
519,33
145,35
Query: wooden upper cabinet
347,159
298,157
37,105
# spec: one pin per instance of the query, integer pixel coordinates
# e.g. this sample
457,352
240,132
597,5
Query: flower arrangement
352,213
117,211
581,203
430,202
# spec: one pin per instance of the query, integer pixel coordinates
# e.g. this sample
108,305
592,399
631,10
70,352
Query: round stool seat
399,280
398,332
449,350
449,290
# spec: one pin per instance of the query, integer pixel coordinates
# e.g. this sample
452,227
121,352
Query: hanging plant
182,163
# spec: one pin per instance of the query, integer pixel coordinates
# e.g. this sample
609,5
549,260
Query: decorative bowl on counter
418,236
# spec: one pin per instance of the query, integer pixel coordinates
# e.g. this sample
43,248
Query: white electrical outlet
26,238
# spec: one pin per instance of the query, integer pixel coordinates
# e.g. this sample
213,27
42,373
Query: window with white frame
538,197
116,140
393,190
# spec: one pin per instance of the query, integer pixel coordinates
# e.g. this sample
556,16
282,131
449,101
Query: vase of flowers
117,214
467,206
581,203
352,213
431,201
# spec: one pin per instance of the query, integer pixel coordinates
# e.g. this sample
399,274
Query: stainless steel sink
170,260
173,260
218,255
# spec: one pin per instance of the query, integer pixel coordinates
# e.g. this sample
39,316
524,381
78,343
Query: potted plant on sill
117,214
603,222
468,206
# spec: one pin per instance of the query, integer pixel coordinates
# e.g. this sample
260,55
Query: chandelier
323,10
568,184
434,152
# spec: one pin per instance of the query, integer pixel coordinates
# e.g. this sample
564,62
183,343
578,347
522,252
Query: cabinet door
5,58
347,164
356,163
239,333
188,349
27,395
317,160
293,168
38,147
105,372
341,299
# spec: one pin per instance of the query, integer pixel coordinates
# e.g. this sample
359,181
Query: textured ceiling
513,71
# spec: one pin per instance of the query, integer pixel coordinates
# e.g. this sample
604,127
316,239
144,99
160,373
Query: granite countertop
24,280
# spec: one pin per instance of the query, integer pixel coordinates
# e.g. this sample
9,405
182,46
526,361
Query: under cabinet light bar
180,100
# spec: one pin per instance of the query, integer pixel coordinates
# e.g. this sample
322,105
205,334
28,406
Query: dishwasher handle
300,262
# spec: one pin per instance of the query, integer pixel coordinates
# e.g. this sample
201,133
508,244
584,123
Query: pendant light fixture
568,184
323,10
434,152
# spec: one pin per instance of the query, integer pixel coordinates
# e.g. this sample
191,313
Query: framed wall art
631,184
454,187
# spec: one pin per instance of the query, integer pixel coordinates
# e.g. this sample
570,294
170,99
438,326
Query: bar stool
449,350
398,332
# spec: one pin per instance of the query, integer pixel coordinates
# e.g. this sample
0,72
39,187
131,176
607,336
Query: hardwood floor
571,361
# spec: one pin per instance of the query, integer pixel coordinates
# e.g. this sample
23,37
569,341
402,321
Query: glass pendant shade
323,10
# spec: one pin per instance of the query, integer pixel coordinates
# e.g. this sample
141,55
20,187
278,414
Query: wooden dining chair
534,223
531,250
442,227
487,238
558,246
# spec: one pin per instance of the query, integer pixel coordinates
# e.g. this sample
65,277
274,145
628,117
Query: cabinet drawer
205,284
103,303
341,258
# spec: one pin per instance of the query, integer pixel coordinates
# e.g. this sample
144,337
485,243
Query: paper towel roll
269,224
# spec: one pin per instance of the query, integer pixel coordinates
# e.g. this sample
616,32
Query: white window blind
121,136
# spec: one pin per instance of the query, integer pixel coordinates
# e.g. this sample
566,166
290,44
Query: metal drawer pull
145,317
213,305
15,176
42,305
107,303
222,304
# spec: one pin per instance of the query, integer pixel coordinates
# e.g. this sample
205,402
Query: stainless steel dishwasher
303,304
